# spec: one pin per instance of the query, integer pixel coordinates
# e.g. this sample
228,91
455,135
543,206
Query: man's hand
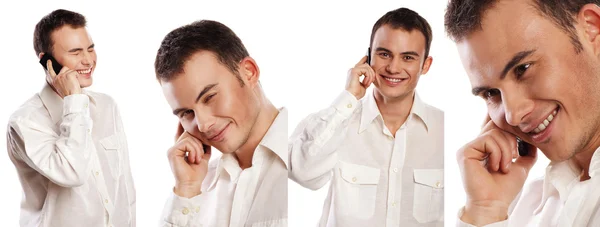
353,84
189,164
491,179
65,83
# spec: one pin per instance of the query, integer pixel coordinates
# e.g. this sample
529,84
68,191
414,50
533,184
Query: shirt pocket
111,148
358,189
428,201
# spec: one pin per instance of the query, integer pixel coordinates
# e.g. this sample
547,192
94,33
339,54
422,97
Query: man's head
536,64
400,42
211,83
62,34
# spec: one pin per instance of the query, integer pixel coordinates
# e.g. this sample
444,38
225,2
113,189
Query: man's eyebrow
516,59
402,53
205,90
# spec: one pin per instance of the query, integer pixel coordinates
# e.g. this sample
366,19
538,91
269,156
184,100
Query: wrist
481,215
187,190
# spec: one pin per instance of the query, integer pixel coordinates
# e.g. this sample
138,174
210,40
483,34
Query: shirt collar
370,111
275,141
54,103
562,176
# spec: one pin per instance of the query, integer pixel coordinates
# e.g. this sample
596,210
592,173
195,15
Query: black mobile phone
369,56
523,147
55,65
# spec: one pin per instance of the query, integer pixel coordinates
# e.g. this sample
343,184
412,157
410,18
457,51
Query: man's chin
85,82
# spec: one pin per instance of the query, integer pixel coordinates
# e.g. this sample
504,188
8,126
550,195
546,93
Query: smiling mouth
86,71
393,80
219,136
544,125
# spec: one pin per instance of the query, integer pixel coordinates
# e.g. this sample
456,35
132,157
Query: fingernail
507,165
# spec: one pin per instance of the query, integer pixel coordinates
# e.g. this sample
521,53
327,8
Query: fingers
179,131
495,147
362,61
187,144
50,68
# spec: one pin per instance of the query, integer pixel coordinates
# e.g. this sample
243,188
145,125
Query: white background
303,49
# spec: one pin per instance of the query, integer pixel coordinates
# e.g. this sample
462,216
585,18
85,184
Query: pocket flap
358,174
110,142
429,177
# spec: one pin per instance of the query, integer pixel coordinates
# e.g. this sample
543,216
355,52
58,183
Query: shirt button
349,106
89,130
394,204
97,173
106,201
354,179
86,105
395,170
438,184
185,211
197,209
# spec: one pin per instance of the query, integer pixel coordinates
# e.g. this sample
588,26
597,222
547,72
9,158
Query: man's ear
427,64
249,71
40,55
589,17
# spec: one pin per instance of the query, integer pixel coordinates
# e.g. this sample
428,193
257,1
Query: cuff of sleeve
460,223
345,104
180,211
76,103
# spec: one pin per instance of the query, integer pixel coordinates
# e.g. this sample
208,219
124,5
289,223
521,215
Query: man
535,63
212,85
383,153
67,143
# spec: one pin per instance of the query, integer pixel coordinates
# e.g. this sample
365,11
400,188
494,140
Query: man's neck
584,158
265,118
394,111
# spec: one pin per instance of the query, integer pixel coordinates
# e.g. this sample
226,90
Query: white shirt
376,179
253,197
72,159
558,199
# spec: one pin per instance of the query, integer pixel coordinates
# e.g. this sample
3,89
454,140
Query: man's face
398,58
211,103
74,48
535,84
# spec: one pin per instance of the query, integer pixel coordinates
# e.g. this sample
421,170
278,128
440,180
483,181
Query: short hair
463,17
42,40
405,19
204,35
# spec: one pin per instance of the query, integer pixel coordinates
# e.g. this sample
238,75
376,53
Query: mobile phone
369,56
55,65
523,147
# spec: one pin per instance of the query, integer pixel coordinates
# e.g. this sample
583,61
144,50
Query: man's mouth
393,80
218,137
85,71
544,124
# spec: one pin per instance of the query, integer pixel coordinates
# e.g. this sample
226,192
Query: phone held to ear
523,147
55,65
369,56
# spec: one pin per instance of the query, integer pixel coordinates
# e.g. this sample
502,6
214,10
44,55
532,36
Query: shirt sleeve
460,223
182,212
313,144
65,157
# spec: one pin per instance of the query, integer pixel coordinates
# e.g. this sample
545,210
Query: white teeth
393,79
84,71
545,123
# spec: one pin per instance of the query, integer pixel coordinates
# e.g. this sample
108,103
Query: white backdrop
303,49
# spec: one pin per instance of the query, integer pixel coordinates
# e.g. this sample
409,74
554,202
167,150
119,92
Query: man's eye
491,93
521,69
